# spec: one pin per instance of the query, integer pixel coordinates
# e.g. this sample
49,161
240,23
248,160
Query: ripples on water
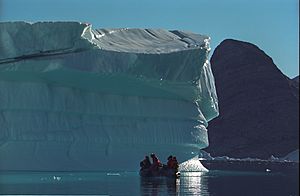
130,183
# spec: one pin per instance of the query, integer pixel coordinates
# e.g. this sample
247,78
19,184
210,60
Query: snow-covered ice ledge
73,97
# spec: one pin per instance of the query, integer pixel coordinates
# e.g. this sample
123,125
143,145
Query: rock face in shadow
259,105
296,81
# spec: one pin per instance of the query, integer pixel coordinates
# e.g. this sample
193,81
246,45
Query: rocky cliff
296,81
259,105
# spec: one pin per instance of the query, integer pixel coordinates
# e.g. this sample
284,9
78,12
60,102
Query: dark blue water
129,183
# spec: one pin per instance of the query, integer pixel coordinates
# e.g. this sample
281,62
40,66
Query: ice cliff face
77,98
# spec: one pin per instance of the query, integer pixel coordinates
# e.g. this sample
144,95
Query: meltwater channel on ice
77,98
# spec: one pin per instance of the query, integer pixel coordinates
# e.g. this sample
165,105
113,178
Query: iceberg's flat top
21,38
147,40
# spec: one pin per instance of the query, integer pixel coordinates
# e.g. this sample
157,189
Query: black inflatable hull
160,173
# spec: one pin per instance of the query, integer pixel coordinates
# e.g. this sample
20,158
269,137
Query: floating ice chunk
192,165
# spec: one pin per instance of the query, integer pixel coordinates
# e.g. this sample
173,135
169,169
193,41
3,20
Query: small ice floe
268,170
58,178
113,174
273,158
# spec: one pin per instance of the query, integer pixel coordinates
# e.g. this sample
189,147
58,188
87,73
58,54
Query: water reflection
189,183
212,183
160,186
222,183
194,183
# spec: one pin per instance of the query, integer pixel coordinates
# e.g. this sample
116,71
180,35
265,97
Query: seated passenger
145,164
170,162
175,164
156,164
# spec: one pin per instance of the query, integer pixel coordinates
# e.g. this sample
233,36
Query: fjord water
130,183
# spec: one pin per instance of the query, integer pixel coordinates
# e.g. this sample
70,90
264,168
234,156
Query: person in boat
175,164
167,167
156,164
145,164
170,162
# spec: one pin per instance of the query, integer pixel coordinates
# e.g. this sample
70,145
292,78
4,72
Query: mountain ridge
258,104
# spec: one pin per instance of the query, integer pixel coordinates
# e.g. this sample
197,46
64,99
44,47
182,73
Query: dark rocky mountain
296,81
259,105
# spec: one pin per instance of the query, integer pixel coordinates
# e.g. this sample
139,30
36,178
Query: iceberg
77,98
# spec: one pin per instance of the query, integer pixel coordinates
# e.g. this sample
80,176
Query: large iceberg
77,98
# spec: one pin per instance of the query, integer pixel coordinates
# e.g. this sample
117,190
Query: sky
272,25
